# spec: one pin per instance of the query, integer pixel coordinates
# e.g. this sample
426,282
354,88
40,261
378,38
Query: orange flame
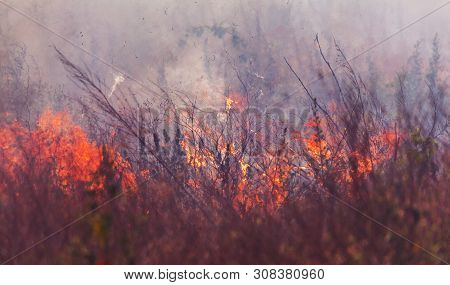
262,182
57,141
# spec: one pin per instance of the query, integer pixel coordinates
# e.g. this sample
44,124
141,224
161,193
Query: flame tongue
59,142
261,181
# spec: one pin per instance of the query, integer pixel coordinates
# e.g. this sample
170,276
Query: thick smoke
200,47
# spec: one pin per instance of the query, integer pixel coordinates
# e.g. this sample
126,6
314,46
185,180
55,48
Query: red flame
75,160
57,141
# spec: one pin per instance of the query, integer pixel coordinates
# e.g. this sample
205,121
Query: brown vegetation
349,187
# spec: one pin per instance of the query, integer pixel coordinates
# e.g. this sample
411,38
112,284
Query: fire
261,181
264,186
269,191
228,104
57,138
381,148
63,145
234,100
195,157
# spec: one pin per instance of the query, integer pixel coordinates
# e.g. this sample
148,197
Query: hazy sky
186,44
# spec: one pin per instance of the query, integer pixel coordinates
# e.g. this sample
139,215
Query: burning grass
346,187
61,147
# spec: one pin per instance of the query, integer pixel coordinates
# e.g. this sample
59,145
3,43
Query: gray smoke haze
197,46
